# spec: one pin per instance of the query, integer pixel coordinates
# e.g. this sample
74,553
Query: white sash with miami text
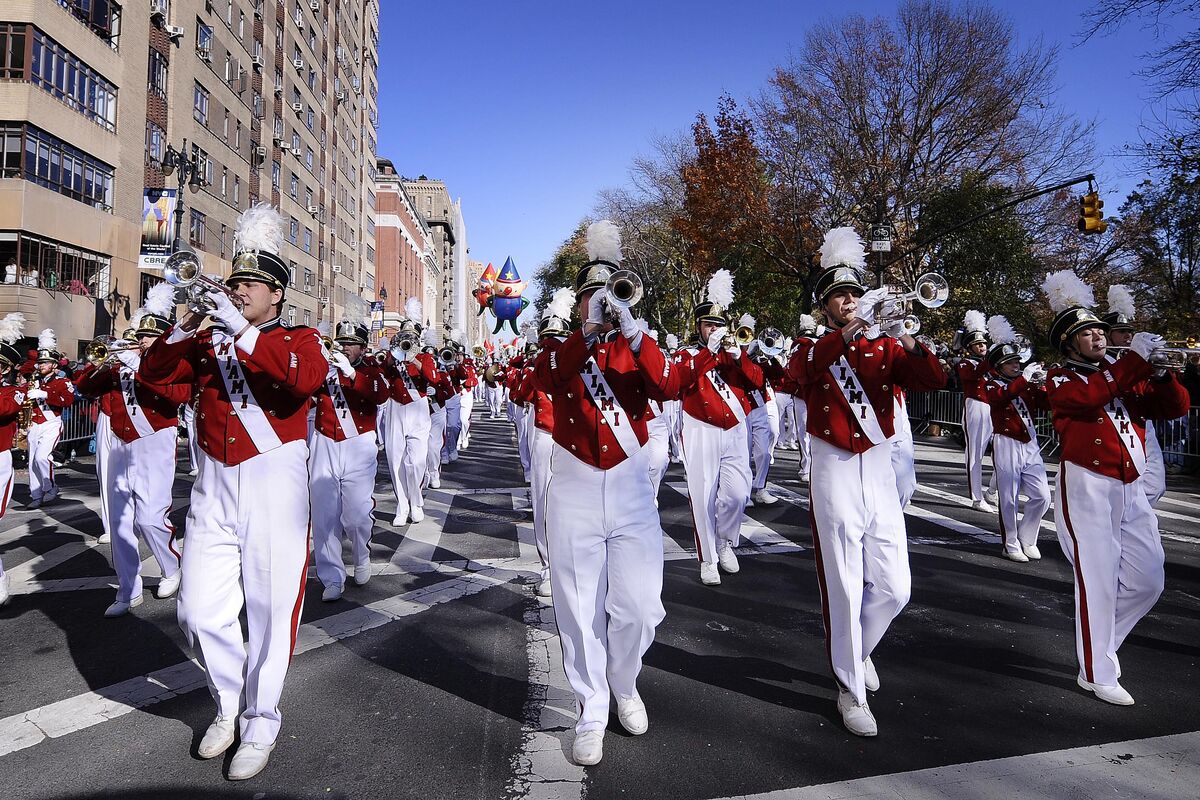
341,408
723,389
1126,431
608,406
856,397
132,408
241,396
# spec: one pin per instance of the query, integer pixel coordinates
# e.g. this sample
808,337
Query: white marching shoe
709,575
1114,694
588,748
631,712
104,538
727,559
763,497
543,588
362,574
249,760
168,586
5,594
417,515
435,483
121,608
858,719
1019,557
992,496
332,592
217,738
401,519
870,676
1032,552
982,505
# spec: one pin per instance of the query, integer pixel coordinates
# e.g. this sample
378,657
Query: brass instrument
331,344
771,342
930,291
183,270
741,337
102,349
405,341
492,374
25,416
624,289
1172,358
479,352
448,357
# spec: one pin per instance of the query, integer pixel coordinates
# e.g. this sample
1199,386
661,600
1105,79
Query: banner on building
158,227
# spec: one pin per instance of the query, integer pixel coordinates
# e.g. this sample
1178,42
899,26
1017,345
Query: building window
370,254
308,158
237,135
307,317
276,172
311,119
197,223
204,40
157,79
308,280
205,163
58,72
225,126
200,104
55,165
55,265
224,183
294,187
155,144
294,231
12,51
307,240
237,191
101,18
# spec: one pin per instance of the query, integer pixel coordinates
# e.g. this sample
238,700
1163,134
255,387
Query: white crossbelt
856,397
726,393
1118,416
241,396
341,408
609,406
132,408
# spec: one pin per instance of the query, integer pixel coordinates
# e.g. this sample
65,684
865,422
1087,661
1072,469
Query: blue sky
527,109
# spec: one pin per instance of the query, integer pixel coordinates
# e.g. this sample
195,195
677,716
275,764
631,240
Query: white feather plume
672,341
807,323
720,288
1000,330
135,321
1120,300
843,246
324,327
12,327
1064,289
160,300
747,321
47,340
430,336
975,321
260,227
413,310
560,304
357,312
604,241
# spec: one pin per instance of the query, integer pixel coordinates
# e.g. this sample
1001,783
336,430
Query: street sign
881,239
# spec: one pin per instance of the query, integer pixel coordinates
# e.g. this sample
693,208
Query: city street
442,677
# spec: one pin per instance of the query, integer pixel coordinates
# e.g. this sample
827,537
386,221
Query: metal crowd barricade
79,421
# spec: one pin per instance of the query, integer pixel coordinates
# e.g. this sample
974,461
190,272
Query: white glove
735,352
226,312
130,358
1144,344
400,355
714,339
895,329
37,394
431,390
1031,370
868,304
342,363
628,325
595,312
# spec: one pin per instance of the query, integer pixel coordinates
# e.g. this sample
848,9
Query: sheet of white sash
241,396
609,406
136,415
1118,416
856,397
341,408
406,379
726,393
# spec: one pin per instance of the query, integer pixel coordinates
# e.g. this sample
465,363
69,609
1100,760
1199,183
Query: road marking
1178,502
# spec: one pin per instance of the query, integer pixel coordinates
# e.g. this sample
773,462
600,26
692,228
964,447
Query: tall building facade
275,101
407,264
444,217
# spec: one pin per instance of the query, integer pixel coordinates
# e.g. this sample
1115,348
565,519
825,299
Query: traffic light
1091,218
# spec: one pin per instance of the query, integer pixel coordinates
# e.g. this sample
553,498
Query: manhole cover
486,516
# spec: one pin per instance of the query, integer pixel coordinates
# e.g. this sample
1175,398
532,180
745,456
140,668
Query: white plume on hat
604,241
47,340
260,227
357,312
456,335
1000,330
160,301
807,322
560,304
747,321
1120,300
974,321
412,309
135,321
323,327
672,341
12,327
1064,289
720,288
430,336
843,246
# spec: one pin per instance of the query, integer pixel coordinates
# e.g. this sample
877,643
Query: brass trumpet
103,348
479,352
405,341
624,289
447,357
741,337
1172,358
331,344
183,270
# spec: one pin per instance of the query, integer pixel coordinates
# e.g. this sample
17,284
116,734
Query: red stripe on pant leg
300,594
812,521
7,496
1084,624
691,503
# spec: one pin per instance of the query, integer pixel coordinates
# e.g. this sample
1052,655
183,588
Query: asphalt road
442,677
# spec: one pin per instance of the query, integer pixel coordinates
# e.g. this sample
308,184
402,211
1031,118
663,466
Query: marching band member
343,458
1013,393
494,389
454,406
50,394
1105,524
468,386
673,410
857,522
808,330
136,435
187,412
437,410
1121,312
784,400
763,419
659,443
516,411
904,456
605,541
247,528
411,378
714,381
12,400
973,372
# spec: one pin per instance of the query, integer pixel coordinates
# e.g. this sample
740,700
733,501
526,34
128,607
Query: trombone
102,349
183,270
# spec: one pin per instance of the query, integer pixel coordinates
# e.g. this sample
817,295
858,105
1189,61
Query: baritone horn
183,270
102,348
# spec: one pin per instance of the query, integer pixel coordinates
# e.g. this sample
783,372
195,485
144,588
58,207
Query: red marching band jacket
878,364
619,384
463,375
408,380
774,374
973,374
1013,403
124,394
348,407
704,376
249,403
11,400
528,393
1100,410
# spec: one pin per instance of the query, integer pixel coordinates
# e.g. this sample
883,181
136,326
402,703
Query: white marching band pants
803,438
495,400
1019,468
407,447
135,480
657,449
718,481
977,428
787,419
522,422
1155,476
904,459
606,558
763,431
43,438
454,425
861,552
341,482
437,438
468,405
674,410
193,442
247,545
6,485
1109,534
541,446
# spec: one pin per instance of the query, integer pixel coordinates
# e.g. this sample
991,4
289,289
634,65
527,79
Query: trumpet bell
624,288
931,290
771,343
182,268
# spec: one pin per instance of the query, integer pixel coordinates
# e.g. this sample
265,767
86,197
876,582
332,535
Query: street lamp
187,169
